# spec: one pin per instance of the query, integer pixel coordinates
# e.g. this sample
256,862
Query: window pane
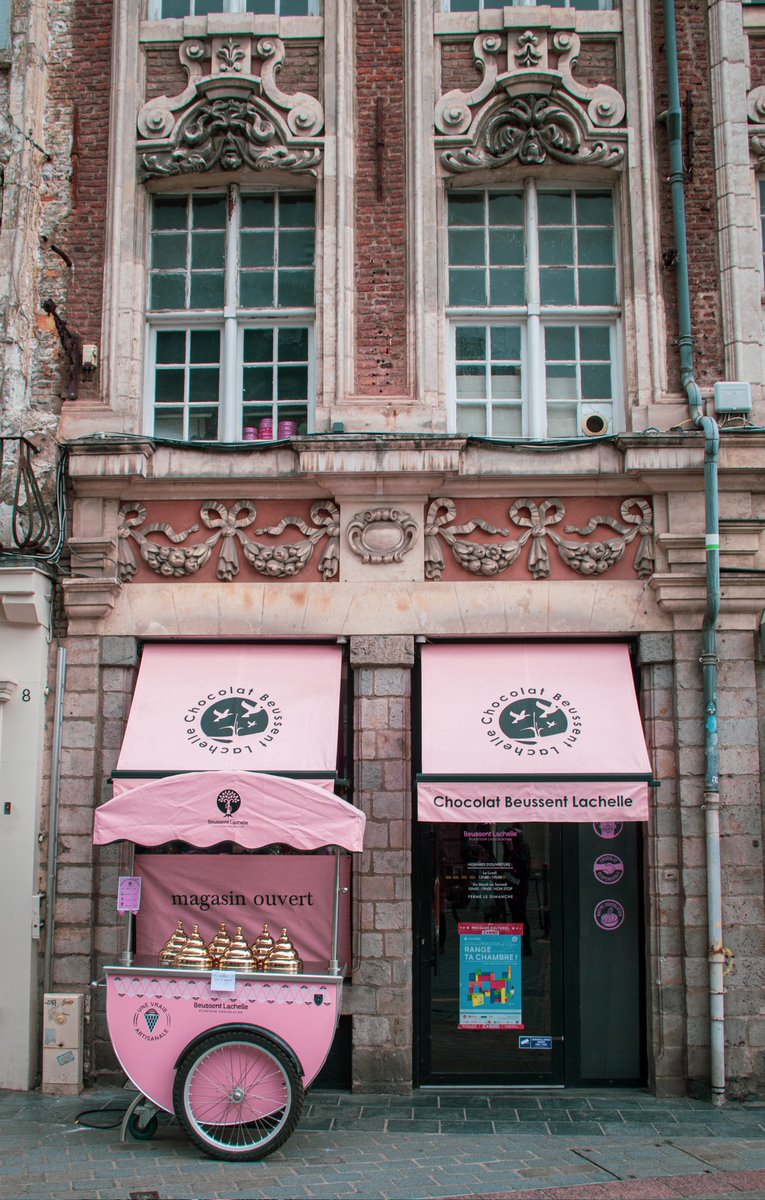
467,287
171,346
505,383
168,423
596,247
471,382
507,421
293,345
595,342
296,248
557,286
168,388
506,287
293,8
295,289
296,211
209,212
175,8
561,382
556,246
471,342
597,285
555,208
292,383
205,346
466,247
595,208
203,424
257,249
466,210
561,420
596,382
258,345
506,208
471,419
560,342
258,212
203,384
168,291
506,247
168,250
169,212
258,384
208,250
256,289
505,342
203,8
206,289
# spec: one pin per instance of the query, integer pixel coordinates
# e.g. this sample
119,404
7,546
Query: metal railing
36,524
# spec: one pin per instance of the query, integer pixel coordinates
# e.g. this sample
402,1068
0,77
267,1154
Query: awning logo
527,721
228,801
233,720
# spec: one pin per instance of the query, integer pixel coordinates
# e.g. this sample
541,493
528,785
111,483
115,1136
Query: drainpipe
55,777
709,659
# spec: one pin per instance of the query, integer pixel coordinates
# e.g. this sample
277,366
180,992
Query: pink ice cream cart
229,1053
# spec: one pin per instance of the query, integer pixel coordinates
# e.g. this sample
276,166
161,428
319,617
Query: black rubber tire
145,1133
242,1068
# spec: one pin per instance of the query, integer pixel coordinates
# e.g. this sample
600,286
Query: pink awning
234,706
531,732
204,808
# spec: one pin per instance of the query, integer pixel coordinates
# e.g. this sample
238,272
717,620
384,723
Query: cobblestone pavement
432,1145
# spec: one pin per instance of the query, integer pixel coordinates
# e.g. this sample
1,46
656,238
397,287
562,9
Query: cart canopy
206,807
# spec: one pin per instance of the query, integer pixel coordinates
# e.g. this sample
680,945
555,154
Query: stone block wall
381,996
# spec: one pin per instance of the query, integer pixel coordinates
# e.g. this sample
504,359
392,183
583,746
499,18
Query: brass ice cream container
194,954
284,957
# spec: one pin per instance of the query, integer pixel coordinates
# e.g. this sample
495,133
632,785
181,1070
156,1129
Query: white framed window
762,228
231,315
160,9
534,312
479,5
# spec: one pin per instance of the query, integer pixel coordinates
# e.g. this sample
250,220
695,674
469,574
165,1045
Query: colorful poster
490,976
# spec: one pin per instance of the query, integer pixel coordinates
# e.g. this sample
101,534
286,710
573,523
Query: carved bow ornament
535,523
180,558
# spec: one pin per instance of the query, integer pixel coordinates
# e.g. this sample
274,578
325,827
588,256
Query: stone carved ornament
229,526
230,115
381,535
755,111
531,112
589,558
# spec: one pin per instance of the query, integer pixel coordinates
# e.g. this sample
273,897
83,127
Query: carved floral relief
233,538
533,530
533,111
231,114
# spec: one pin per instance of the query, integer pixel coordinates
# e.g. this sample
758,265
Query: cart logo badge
151,1021
527,722
228,801
233,720
609,914
318,999
608,868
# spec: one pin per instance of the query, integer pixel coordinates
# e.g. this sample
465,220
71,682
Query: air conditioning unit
595,424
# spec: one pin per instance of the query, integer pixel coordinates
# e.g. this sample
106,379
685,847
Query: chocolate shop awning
531,732
233,707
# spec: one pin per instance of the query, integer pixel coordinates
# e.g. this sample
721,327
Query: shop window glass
231,306
534,311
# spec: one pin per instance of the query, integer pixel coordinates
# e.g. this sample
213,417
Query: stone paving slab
430,1146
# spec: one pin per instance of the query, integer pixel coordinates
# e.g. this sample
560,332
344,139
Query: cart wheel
237,1095
142,1132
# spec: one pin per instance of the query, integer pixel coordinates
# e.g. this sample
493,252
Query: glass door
490,984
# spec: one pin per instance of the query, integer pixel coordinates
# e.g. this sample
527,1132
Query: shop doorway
529,962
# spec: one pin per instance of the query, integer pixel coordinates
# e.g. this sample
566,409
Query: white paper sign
222,981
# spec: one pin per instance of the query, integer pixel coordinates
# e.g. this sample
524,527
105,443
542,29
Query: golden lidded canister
217,948
238,956
284,957
194,954
173,946
261,948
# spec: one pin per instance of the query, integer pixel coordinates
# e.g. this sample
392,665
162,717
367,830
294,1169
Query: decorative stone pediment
231,114
531,112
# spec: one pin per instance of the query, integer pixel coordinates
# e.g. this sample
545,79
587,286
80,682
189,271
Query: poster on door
490,976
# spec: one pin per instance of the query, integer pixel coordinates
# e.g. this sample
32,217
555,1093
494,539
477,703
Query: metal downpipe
709,659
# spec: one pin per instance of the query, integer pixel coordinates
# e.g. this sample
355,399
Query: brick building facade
383,309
